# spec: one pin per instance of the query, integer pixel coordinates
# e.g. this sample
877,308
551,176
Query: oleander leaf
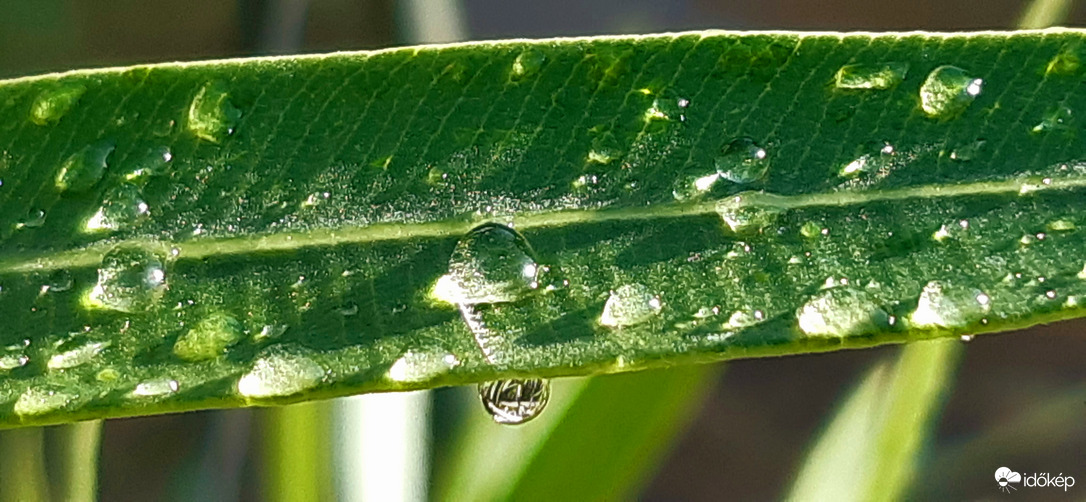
265,231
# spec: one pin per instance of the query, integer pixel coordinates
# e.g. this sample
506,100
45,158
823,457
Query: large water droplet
209,338
742,161
155,388
52,104
491,264
628,305
122,206
948,305
82,353
513,402
130,279
280,372
83,169
527,63
420,366
211,115
948,91
748,212
40,400
842,311
870,76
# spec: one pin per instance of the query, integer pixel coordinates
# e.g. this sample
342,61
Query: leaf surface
265,231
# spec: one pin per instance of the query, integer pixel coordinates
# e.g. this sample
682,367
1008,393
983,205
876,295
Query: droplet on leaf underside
82,170
742,161
527,63
211,115
52,104
629,305
1055,119
280,372
155,388
842,311
492,264
870,76
514,402
872,157
949,305
131,278
209,338
77,354
948,91
421,366
40,400
748,212
122,207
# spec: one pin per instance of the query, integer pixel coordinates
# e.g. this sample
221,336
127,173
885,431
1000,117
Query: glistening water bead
494,264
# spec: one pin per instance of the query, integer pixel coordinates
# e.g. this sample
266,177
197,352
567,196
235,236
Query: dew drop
280,372
742,161
667,108
1060,226
77,356
35,219
947,305
209,338
968,151
514,402
690,187
13,357
420,366
629,305
152,163
748,212
966,338
130,279
527,63
155,388
1067,62
873,157
52,104
1057,119
122,206
211,115
41,400
842,311
948,91
83,169
870,76
491,264
811,230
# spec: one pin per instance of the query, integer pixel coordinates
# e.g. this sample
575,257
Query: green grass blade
267,231
298,453
603,441
22,466
869,450
74,452
1045,13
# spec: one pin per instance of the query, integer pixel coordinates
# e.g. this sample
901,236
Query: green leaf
267,231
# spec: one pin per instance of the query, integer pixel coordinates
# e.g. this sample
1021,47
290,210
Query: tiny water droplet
514,402
315,199
77,356
83,169
122,206
130,279
690,187
270,331
870,76
966,338
52,104
954,230
280,372
1056,119
152,163
35,219
58,282
667,108
527,63
209,338
436,176
948,305
492,264
1067,62
742,161
968,151
872,157
40,400
948,91
629,305
420,366
155,388
211,115
842,311
1060,226
748,212
13,357
811,230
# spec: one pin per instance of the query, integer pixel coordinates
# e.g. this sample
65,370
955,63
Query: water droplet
842,311
77,356
811,230
35,219
1060,226
514,402
628,305
1067,62
280,372
122,206
742,161
58,282
968,151
948,91
152,163
40,400
209,338
947,305
420,366
667,108
211,115
83,169
873,157
746,317
130,279
155,388
52,104
748,212
1057,119
870,76
491,264
966,338
954,230
689,187
107,375
13,357
315,199
436,176
527,63
270,331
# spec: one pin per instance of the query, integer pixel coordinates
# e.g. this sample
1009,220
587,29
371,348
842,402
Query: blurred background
739,432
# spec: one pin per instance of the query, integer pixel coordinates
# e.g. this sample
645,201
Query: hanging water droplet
514,402
130,279
52,104
211,115
122,206
40,400
83,169
948,91
748,212
1056,119
420,366
155,388
947,305
628,305
870,76
842,311
280,372
209,338
491,264
79,355
742,161
968,151
527,63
